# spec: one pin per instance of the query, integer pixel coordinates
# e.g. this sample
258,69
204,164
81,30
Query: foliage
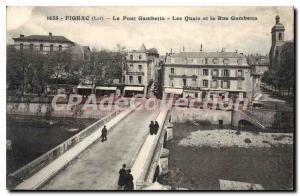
31,71
282,76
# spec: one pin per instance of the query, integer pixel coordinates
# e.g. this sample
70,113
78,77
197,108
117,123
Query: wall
42,109
200,115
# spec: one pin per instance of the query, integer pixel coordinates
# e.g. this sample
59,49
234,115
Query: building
198,74
42,43
140,71
277,42
259,65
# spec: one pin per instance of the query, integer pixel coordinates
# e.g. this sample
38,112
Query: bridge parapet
51,169
152,144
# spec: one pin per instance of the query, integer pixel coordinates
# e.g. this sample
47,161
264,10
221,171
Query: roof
258,60
143,48
208,54
45,38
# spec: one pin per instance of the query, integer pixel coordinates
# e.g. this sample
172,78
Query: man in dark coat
129,181
122,177
151,127
156,127
104,134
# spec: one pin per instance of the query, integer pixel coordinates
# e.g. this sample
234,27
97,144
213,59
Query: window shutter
235,73
222,84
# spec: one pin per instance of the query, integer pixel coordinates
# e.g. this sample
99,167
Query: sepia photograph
141,98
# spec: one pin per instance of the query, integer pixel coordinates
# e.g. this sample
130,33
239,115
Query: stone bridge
94,165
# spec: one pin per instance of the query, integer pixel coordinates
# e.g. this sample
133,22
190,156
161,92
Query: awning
85,86
177,91
106,88
134,88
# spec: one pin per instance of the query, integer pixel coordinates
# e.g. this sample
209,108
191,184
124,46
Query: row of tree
281,75
31,72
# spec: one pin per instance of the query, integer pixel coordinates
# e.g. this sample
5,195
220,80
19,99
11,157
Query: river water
32,136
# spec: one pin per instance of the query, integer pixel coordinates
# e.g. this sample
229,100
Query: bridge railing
34,166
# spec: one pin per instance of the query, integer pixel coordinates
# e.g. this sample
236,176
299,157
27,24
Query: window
140,67
280,36
31,47
172,71
41,47
140,79
131,66
194,81
239,84
205,72
184,81
21,46
226,73
215,60
51,48
205,83
226,61
225,84
60,47
214,84
215,72
206,60
240,61
239,73
131,57
130,79
140,57
123,79
171,82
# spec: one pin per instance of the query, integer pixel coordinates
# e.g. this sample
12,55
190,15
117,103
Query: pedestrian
104,134
129,181
156,127
122,176
151,128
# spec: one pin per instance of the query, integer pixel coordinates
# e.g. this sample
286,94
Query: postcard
150,98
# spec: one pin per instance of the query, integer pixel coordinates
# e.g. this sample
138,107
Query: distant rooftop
43,38
208,55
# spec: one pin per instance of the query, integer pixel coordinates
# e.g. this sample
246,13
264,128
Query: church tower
277,41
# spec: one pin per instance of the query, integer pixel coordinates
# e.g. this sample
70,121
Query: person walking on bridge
104,134
129,181
122,177
156,127
151,128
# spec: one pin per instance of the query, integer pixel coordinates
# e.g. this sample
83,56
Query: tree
282,76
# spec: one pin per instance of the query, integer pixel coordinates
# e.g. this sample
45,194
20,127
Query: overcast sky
245,36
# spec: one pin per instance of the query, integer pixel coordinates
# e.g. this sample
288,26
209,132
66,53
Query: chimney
201,48
50,34
183,49
171,51
21,35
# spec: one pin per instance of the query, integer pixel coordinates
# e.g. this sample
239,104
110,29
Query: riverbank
32,136
200,158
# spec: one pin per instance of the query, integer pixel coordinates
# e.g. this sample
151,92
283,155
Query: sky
246,36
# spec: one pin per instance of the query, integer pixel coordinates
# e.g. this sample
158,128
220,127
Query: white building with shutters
198,74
